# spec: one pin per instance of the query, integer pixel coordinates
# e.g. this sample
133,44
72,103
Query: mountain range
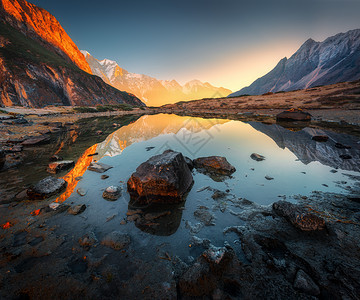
152,91
334,60
40,65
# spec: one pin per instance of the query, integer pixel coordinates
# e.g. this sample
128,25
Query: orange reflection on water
79,169
7,225
36,212
73,136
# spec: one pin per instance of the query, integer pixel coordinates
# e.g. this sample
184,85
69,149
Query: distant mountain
334,60
40,65
152,91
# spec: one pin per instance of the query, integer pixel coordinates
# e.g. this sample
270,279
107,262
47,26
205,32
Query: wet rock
341,146
99,167
305,284
46,187
214,164
88,240
197,281
92,154
298,216
189,162
77,209
36,141
112,193
55,157
345,156
194,228
320,138
203,215
104,177
56,167
218,195
164,178
116,240
200,242
267,177
218,257
293,115
2,158
81,191
149,148
257,157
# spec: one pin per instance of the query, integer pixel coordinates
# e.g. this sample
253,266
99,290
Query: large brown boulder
293,115
214,164
164,178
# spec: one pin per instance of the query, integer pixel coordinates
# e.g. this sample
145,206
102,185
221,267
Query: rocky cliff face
151,90
35,73
334,60
43,27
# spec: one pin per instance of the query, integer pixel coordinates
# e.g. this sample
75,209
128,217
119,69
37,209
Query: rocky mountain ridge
337,59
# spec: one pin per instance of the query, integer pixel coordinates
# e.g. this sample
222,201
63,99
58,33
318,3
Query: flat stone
46,187
112,193
77,209
56,167
36,141
99,167
298,216
104,177
257,157
116,240
267,177
293,115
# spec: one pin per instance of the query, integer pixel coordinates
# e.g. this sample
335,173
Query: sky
228,43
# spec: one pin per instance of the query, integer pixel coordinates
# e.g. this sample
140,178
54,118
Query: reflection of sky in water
236,141
233,139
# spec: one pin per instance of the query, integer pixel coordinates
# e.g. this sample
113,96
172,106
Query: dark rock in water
298,216
218,195
164,178
36,141
345,156
2,158
204,216
55,157
149,148
257,157
99,167
56,167
320,138
341,146
267,177
81,192
104,177
214,164
116,240
77,209
189,162
305,284
92,154
293,115
112,193
46,187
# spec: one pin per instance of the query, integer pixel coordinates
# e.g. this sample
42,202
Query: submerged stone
77,209
116,240
164,178
99,167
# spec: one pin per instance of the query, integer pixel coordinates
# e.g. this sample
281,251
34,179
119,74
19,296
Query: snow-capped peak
85,53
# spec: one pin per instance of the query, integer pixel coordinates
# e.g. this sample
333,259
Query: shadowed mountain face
40,65
336,59
152,91
308,150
